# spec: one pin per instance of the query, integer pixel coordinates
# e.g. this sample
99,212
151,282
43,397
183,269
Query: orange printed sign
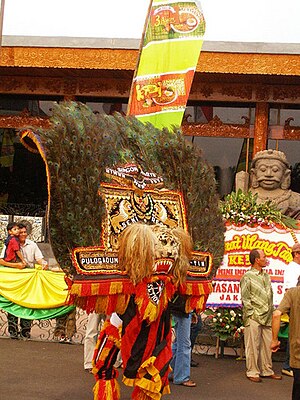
162,92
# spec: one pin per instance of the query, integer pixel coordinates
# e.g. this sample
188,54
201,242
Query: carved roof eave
125,59
23,121
214,128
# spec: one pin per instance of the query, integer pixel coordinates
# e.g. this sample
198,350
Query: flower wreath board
275,240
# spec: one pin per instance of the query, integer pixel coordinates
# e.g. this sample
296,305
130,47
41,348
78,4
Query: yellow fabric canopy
33,288
285,318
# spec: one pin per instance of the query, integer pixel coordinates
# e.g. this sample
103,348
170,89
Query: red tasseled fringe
106,390
196,303
104,296
196,288
101,304
103,287
108,344
197,294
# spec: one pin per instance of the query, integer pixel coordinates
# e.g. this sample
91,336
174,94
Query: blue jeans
195,329
181,349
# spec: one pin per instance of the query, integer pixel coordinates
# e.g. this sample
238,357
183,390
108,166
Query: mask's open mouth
163,265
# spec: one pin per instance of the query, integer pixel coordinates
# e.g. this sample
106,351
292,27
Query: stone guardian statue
270,179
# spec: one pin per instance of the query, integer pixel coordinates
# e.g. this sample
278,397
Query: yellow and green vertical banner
171,47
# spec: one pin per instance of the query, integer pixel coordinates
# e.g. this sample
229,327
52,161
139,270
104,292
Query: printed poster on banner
239,241
161,93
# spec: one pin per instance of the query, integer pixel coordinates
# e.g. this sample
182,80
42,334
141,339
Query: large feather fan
80,144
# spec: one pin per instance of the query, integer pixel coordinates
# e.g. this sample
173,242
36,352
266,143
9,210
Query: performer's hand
20,265
275,345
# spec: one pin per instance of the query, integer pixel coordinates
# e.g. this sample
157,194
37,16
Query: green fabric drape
30,313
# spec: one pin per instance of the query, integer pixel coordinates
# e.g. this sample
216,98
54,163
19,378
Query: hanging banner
170,51
239,241
33,288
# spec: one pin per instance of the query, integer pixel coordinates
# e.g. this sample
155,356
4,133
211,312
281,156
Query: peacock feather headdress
79,146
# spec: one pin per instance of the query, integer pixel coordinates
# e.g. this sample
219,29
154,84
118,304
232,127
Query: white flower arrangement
226,322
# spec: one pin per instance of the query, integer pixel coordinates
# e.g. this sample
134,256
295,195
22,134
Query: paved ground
52,371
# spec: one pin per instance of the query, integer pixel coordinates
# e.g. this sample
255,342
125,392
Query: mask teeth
164,262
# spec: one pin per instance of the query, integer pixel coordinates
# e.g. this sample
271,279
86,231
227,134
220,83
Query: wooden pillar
261,127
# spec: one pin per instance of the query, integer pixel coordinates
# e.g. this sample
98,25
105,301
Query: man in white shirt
32,255
290,279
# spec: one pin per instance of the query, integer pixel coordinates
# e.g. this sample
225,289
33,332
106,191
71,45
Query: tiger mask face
148,249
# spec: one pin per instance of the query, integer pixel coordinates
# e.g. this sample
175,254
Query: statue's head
145,250
270,170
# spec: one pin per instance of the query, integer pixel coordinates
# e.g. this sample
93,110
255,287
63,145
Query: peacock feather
78,147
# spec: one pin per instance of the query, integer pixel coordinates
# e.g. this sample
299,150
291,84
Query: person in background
290,280
257,300
12,245
290,304
31,254
196,326
65,327
181,348
90,339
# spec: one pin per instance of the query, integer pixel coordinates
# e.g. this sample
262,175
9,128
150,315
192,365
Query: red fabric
143,300
146,337
146,347
106,390
106,352
12,247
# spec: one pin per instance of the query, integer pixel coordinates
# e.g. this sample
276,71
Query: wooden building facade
257,81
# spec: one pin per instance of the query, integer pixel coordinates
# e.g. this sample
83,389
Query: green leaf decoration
242,209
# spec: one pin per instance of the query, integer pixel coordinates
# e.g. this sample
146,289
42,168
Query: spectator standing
31,254
257,299
181,348
90,339
196,326
65,327
12,245
290,280
290,304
